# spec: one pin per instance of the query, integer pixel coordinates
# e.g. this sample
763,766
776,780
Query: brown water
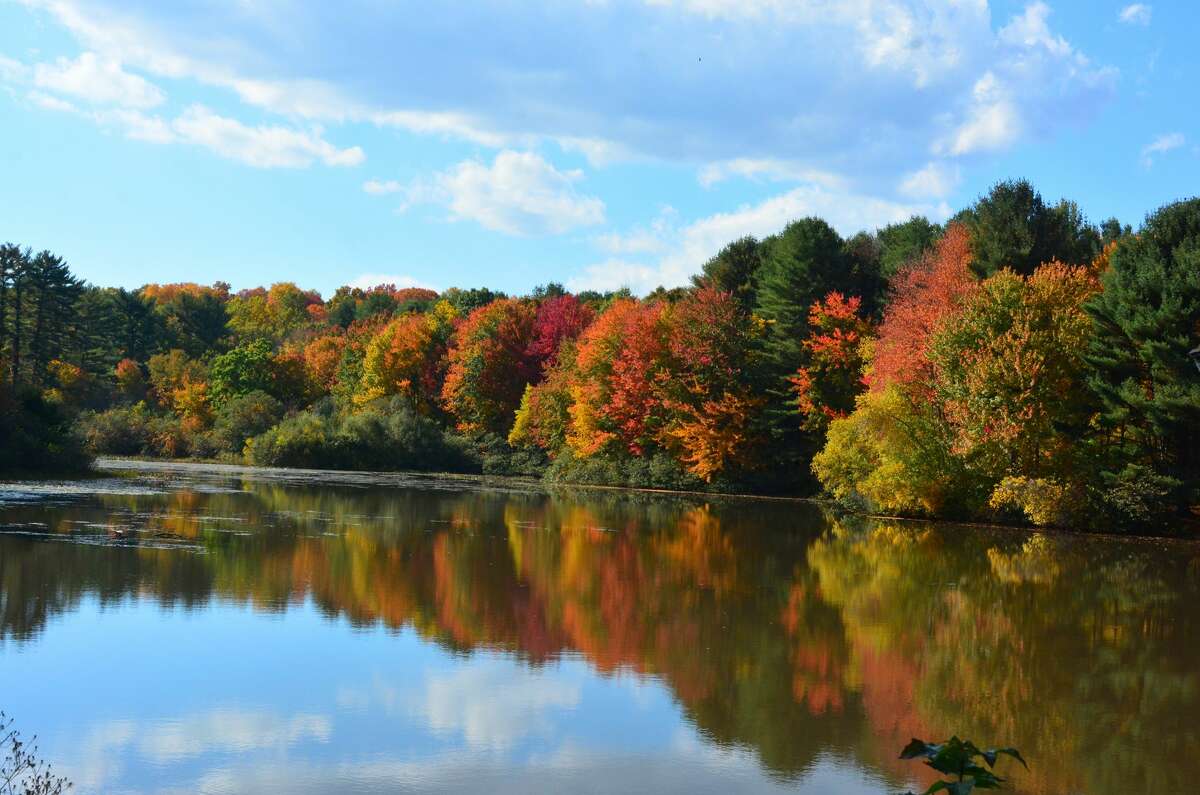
207,629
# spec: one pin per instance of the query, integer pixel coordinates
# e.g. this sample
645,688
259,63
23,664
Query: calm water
198,629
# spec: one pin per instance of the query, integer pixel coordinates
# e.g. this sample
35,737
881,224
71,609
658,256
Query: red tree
925,292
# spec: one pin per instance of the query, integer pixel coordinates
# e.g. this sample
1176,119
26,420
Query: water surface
216,629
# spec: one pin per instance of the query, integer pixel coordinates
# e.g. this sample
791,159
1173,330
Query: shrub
387,435
242,417
36,436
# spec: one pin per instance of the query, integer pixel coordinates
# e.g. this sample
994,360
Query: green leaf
1014,753
914,749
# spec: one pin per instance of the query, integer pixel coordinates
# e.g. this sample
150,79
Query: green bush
242,417
36,436
138,431
658,471
387,435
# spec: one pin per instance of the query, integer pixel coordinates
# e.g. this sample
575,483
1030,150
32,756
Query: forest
1016,364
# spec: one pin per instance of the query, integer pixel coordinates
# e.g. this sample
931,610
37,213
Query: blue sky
596,142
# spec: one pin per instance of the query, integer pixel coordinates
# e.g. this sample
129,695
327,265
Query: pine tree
1147,320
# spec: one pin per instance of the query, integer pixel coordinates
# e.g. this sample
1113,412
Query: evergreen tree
52,292
900,244
1012,227
1147,320
735,270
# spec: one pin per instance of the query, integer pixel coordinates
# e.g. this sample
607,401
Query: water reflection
311,634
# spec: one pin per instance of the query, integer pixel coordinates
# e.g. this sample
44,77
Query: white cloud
1032,30
265,146
12,71
859,86
491,708
99,81
1135,14
50,102
993,121
368,280
377,187
520,193
934,181
764,168
691,246
1161,145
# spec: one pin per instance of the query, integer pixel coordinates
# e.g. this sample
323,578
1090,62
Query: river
195,628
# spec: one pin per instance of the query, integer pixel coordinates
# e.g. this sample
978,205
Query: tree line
1017,362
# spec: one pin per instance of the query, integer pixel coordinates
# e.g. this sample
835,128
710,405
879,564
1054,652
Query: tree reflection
776,628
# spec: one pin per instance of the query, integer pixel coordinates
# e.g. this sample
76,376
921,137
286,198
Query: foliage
905,242
1147,319
956,757
1008,372
735,270
831,376
924,293
1015,368
247,368
405,358
490,362
386,435
1012,227
22,770
36,435
244,416
1044,501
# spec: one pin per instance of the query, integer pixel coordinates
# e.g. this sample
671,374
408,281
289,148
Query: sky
598,143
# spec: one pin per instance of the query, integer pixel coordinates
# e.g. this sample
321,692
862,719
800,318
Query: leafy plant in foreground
956,758
22,772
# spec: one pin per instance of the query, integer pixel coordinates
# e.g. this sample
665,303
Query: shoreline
1190,532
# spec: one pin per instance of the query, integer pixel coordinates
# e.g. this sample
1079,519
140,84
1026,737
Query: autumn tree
407,358
924,293
559,318
712,423
1009,372
831,376
490,365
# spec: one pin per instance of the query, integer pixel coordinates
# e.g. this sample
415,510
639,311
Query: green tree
51,292
901,243
735,271
1147,319
1012,227
247,368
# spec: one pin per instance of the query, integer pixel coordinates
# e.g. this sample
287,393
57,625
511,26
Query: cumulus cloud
1160,146
855,88
690,246
519,193
993,121
96,80
934,181
1135,14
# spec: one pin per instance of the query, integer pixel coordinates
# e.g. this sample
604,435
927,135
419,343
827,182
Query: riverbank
1189,529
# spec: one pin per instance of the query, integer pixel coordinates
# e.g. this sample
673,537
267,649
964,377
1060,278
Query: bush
36,436
387,435
242,417
1138,498
138,431
659,471
1043,501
